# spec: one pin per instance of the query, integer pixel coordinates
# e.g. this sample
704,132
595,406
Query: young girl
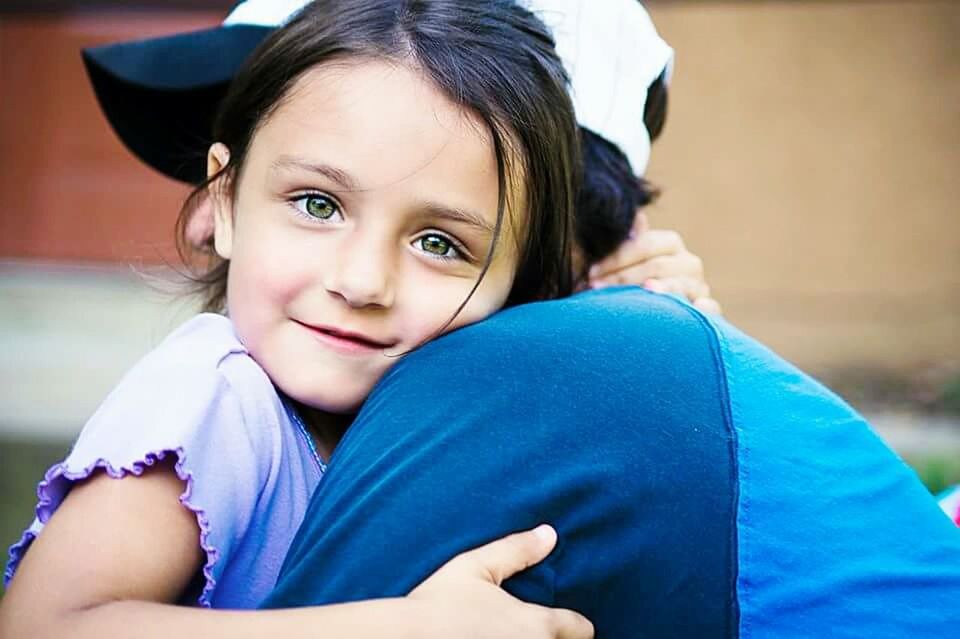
384,172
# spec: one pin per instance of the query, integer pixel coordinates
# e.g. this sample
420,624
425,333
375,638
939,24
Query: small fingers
640,249
689,288
501,559
708,305
659,268
568,624
695,291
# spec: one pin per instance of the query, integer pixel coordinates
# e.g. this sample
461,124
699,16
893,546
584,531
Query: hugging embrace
407,364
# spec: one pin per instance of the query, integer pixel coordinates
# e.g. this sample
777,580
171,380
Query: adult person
700,485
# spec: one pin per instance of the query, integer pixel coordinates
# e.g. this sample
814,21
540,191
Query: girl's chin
341,404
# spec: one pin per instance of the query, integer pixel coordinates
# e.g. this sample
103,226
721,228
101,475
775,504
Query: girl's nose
361,275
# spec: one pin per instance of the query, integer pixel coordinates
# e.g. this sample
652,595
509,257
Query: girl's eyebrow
349,183
435,209
339,176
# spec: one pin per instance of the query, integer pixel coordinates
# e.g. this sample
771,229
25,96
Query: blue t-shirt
701,486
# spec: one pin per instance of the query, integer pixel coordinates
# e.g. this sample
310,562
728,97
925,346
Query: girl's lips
346,341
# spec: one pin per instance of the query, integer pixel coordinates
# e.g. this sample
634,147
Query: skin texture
378,257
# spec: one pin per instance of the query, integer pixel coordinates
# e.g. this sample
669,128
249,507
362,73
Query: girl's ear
219,199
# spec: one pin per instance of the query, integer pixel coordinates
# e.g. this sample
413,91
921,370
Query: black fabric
161,94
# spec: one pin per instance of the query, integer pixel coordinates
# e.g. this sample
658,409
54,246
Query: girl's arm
656,259
119,552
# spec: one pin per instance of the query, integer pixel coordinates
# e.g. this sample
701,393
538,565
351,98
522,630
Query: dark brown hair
491,57
611,193
608,200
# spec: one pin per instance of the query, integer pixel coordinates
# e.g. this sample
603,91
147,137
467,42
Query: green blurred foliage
22,465
950,395
937,473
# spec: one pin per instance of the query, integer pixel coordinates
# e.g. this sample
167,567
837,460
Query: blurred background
811,158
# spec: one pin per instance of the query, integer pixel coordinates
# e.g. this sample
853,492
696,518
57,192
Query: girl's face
360,221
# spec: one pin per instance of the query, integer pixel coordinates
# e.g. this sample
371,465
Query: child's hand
466,600
659,261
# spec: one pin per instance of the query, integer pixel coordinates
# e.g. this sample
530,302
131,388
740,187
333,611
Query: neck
326,429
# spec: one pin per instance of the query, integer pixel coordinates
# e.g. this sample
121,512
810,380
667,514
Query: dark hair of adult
491,57
611,192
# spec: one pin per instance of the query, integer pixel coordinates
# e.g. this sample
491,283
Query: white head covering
612,52
265,13
610,48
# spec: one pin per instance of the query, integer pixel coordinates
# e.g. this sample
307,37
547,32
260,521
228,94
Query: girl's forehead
383,123
378,116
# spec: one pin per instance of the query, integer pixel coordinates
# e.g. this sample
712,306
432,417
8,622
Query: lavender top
247,467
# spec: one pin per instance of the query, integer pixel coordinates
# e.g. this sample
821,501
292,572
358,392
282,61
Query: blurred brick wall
69,190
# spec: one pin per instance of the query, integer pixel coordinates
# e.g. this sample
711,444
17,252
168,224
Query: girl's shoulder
199,397
201,349
198,371
198,379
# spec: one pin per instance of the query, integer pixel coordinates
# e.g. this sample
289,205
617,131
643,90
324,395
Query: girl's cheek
423,320
491,295
477,309
275,271
284,282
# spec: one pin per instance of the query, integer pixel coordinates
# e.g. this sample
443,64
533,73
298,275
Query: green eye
320,207
437,245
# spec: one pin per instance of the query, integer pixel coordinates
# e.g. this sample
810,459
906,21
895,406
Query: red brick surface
69,190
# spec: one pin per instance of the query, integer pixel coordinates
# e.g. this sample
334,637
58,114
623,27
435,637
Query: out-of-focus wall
812,157
69,190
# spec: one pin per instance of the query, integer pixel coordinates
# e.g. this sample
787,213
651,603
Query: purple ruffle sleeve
246,469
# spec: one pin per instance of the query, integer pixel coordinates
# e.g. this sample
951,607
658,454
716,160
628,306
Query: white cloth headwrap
265,13
612,53
610,48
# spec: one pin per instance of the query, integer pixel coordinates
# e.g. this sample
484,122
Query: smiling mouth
345,340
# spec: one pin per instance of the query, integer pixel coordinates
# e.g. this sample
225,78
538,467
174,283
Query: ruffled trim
57,480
